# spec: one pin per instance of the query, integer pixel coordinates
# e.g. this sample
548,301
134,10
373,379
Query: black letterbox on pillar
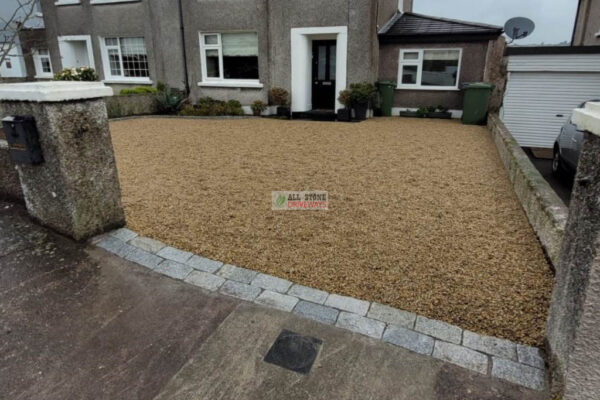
23,141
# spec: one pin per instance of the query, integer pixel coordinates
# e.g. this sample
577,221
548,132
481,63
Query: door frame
301,63
77,38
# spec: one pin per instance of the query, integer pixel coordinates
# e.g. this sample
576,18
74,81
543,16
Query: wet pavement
79,323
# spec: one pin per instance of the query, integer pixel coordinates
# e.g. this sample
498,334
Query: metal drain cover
294,352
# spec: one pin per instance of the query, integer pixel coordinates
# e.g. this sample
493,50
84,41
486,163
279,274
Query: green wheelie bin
475,102
386,88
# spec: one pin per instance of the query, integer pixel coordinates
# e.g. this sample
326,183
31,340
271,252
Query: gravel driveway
421,213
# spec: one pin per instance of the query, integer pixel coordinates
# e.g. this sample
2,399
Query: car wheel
556,163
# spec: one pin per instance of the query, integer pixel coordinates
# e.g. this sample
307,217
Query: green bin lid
390,83
478,85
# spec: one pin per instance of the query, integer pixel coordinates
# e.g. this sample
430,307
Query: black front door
323,74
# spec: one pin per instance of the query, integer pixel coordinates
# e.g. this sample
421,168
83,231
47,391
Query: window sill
112,1
444,88
232,84
66,2
129,81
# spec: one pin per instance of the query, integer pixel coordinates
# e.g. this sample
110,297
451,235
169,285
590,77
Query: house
239,49
431,57
587,24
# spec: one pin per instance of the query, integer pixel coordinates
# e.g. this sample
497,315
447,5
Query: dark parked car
567,148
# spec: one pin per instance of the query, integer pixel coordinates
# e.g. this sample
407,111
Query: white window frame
419,63
108,77
66,2
37,62
221,81
112,1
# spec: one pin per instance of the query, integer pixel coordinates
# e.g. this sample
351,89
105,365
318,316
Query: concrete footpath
77,322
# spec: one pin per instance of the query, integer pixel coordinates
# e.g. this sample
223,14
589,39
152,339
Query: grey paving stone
438,329
98,238
409,339
277,300
238,274
204,264
363,325
318,312
173,269
461,356
147,244
205,280
490,345
308,293
240,290
115,246
520,374
350,304
143,258
272,283
124,234
392,315
171,253
530,356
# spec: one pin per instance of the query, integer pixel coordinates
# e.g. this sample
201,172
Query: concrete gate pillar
573,327
75,190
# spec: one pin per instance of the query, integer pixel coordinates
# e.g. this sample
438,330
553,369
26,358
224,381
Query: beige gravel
421,216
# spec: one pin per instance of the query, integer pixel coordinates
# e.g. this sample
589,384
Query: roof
408,26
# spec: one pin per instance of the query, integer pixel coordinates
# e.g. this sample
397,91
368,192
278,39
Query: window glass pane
332,56
321,63
135,59
211,39
413,55
240,55
113,60
46,65
440,67
409,74
8,63
212,64
111,41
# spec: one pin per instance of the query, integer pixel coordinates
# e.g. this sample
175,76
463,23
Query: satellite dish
518,28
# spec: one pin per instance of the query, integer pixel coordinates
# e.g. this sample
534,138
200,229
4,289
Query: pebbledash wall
10,185
546,212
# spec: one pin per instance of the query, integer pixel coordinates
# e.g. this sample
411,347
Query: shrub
207,106
138,90
170,101
77,74
442,108
278,96
345,98
161,86
258,107
363,93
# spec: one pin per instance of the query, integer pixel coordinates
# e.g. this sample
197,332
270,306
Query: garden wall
10,185
134,104
546,212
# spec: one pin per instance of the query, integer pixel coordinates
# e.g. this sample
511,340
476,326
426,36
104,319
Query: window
125,59
432,69
7,63
230,57
41,61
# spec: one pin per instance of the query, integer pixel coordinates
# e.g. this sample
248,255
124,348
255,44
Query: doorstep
491,356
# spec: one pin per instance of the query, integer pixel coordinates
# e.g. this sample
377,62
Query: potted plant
440,112
345,114
363,95
280,97
409,114
258,107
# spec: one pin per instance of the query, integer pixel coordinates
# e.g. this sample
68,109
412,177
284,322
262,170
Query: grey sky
553,18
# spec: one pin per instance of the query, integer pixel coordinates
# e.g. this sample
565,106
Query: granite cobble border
522,365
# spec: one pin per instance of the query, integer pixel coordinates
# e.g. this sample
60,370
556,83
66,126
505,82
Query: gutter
184,52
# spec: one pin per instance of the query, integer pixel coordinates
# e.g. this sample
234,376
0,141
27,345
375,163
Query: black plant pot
344,114
411,114
360,111
440,115
283,111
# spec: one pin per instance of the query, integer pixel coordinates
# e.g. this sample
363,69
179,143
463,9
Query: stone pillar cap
588,118
53,91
